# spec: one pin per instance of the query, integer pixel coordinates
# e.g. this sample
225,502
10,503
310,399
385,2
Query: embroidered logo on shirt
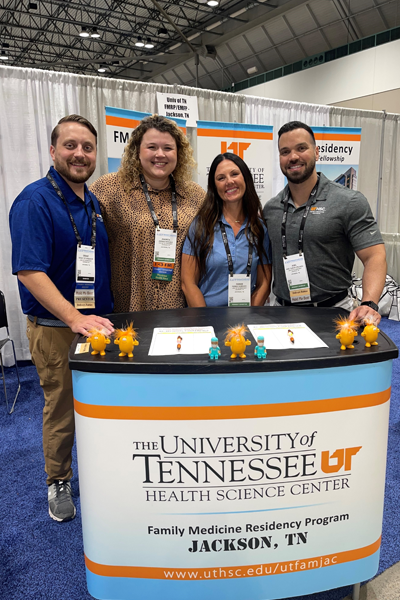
100,218
317,210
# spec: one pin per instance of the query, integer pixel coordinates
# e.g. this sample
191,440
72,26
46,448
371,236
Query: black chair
3,342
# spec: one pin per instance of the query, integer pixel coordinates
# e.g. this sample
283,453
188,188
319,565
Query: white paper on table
276,336
195,340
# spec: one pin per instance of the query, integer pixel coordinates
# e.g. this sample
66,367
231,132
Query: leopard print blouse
131,234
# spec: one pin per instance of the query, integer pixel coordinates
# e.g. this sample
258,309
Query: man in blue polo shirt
60,255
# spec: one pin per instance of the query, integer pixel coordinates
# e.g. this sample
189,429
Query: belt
47,322
324,303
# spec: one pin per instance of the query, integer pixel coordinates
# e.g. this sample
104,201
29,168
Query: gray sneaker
61,506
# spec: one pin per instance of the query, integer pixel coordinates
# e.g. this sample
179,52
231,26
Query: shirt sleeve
187,245
32,236
362,230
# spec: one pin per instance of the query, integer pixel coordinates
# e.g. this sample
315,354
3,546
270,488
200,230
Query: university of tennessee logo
341,458
238,148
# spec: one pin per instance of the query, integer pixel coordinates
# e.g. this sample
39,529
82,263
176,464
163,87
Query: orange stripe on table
340,137
229,133
251,411
237,571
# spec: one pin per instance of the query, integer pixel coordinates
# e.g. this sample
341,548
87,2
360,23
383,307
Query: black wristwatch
370,304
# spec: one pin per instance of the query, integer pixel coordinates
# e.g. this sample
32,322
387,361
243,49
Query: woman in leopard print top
157,149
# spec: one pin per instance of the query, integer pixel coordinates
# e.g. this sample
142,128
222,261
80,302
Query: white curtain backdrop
32,101
264,111
371,123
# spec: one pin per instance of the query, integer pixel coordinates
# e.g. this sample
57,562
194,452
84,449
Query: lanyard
228,252
78,237
150,204
303,220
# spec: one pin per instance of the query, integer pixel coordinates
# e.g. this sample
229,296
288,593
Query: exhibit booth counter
231,478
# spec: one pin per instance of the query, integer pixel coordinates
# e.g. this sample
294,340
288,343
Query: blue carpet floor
42,559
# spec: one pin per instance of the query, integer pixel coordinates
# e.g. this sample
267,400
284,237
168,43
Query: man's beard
308,171
63,170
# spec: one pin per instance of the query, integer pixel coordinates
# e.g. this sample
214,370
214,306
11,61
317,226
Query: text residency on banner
164,255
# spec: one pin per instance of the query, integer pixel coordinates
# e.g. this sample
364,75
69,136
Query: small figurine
179,342
370,333
126,340
236,340
260,351
98,341
215,350
347,332
291,335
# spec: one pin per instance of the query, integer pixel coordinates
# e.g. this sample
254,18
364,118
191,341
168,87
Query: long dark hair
211,211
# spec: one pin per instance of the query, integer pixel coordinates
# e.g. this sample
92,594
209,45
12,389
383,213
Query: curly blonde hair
131,167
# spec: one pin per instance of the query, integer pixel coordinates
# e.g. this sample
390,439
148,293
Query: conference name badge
239,290
297,278
85,277
164,255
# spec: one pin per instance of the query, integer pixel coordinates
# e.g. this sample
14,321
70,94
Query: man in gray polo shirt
322,224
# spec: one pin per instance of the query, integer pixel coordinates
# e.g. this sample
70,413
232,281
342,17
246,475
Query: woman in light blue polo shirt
226,254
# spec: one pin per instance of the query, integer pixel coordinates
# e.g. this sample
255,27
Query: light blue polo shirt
214,286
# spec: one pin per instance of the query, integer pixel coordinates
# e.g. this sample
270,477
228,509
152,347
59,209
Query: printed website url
254,571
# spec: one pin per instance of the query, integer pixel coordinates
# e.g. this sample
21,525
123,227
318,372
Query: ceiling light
212,2
139,43
252,70
95,33
102,69
162,31
149,44
3,55
84,33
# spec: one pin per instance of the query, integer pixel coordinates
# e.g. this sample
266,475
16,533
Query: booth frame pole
378,198
356,591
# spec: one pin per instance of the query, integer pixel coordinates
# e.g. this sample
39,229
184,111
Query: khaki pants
49,347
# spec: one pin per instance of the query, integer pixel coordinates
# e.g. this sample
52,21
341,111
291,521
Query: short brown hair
131,167
71,119
292,125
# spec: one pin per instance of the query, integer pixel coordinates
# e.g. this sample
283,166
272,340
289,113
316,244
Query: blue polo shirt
214,285
43,239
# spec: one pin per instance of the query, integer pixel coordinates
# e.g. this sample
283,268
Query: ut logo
236,147
342,457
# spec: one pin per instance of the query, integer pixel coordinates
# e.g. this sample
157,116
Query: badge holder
164,254
85,276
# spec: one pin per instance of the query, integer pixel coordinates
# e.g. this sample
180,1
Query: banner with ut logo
253,143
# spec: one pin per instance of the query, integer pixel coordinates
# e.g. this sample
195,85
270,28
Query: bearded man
316,227
60,256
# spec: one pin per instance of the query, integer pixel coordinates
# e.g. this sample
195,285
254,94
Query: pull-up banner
253,143
339,153
120,123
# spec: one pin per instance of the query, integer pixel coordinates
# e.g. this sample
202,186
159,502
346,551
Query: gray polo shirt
340,223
